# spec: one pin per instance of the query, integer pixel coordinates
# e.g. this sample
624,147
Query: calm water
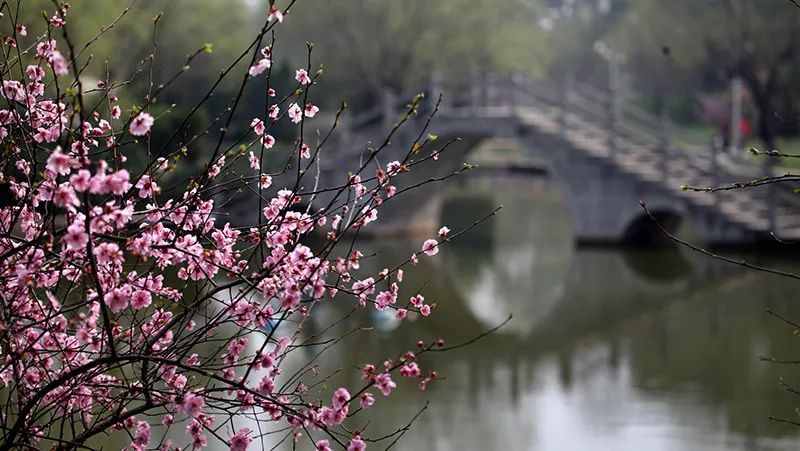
608,349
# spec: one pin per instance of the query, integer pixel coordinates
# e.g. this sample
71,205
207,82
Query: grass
693,134
700,135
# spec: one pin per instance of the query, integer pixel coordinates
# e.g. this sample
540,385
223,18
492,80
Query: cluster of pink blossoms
122,304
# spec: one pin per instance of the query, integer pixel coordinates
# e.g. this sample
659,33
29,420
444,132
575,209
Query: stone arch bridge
606,155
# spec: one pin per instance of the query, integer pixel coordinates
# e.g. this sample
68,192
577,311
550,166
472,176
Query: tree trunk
763,97
766,131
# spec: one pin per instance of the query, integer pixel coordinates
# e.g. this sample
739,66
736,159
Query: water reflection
608,350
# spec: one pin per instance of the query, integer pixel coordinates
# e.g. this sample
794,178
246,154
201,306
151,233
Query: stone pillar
716,144
664,142
613,109
489,92
564,100
737,92
475,92
345,128
772,194
513,89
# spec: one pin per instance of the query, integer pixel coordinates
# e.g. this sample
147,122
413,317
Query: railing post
664,144
388,101
716,143
346,128
484,86
475,89
772,193
614,104
737,92
488,89
563,113
513,89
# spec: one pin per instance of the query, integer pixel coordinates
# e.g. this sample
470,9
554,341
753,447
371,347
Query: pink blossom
241,440
295,113
305,151
147,187
258,126
64,196
141,124
268,141
58,63
60,162
117,300
57,22
366,400
385,383
356,444
275,14
34,72
444,231
76,237
301,75
274,110
430,247
192,404
142,437
81,180
13,90
311,110
425,310
264,181
255,162
140,299
322,445
262,65
410,369
267,385
117,182
384,299
340,398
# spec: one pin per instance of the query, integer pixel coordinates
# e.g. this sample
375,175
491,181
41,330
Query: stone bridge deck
631,145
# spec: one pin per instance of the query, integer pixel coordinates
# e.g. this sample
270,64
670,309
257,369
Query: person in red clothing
745,128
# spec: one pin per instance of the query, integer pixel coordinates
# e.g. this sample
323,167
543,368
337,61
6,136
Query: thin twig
708,253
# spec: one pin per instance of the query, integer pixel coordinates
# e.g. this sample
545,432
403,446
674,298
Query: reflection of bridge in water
524,263
655,323
606,155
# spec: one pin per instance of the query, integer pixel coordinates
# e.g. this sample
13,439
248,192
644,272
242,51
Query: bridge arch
645,231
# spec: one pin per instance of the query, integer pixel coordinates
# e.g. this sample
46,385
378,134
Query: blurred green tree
371,45
711,41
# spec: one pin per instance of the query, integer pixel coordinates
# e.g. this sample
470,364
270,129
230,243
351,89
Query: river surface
608,349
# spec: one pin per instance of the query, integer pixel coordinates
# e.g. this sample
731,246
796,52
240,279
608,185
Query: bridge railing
577,107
